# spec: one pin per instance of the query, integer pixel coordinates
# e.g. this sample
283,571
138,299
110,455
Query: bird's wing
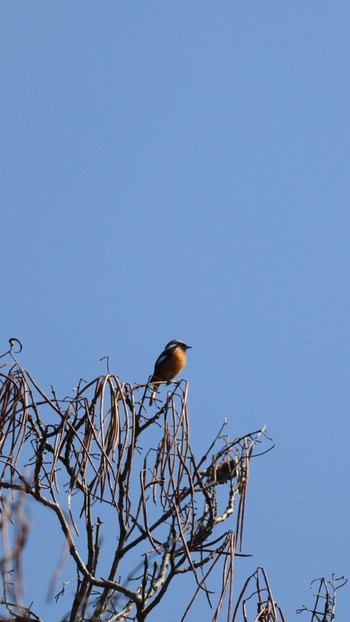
163,358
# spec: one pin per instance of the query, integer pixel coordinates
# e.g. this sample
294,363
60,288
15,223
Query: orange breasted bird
169,363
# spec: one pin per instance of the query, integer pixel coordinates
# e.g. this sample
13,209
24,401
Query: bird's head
176,343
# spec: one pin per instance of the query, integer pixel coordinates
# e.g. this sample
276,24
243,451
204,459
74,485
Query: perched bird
169,363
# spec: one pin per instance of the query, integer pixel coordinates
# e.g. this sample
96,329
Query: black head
177,343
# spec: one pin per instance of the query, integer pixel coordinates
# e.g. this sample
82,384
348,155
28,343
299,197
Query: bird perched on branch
169,363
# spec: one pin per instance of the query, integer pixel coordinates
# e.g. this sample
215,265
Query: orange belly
172,367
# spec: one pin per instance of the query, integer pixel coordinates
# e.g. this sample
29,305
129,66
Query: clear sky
181,170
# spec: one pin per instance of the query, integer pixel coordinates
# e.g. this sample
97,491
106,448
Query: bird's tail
153,396
154,389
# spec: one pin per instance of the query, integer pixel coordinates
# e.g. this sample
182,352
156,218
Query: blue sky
181,170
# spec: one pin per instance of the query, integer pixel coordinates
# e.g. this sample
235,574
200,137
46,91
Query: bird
169,364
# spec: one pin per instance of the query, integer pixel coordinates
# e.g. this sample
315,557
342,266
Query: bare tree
325,599
135,506
256,602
